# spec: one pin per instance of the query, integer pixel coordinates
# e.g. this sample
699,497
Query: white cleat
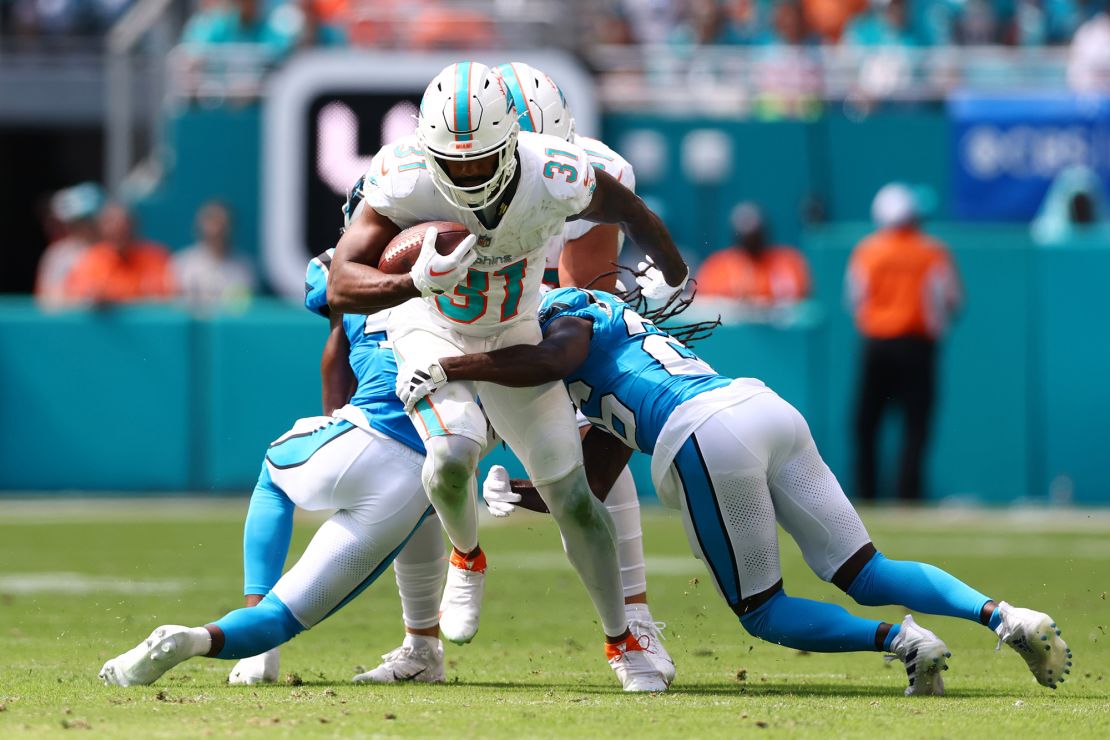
649,635
634,667
142,665
461,606
422,663
1035,638
264,668
925,657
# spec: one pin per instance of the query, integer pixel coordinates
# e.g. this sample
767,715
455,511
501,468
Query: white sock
420,569
624,506
416,641
200,641
590,545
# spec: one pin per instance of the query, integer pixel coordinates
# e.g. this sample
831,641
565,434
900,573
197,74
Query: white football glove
415,383
498,493
434,273
653,285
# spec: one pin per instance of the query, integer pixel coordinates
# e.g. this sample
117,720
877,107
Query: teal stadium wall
150,399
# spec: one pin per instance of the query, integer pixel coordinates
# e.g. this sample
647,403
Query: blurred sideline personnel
736,460
583,251
75,209
752,270
364,460
514,191
209,274
122,268
903,289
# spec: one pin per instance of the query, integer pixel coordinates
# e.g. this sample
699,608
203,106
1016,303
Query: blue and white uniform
735,458
364,461
728,453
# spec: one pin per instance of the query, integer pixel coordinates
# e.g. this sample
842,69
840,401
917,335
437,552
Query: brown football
401,253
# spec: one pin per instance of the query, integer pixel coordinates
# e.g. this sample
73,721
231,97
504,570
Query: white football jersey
603,158
556,181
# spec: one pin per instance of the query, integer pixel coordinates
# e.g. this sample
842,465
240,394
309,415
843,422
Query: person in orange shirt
121,268
753,270
903,288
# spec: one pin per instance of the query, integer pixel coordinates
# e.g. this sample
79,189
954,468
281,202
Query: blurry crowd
98,257
911,23
283,25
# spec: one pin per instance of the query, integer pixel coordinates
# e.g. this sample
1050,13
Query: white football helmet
540,103
466,113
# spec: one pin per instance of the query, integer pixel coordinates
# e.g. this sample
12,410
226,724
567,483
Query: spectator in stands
319,22
75,209
1075,209
887,23
753,270
704,23
209,274
243,22
122,268
903,288
787,76
978,24
748,21
1089,63
829,17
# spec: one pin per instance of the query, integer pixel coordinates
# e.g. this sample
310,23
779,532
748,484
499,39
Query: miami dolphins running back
364,460
734,458
513,191
582,254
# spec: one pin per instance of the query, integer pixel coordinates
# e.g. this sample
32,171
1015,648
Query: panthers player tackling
364,460
736,459
514,191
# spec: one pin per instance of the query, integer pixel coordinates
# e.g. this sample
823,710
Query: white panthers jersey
603,158
503,285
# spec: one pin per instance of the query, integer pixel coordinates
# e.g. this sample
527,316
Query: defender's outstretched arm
605,457
564,347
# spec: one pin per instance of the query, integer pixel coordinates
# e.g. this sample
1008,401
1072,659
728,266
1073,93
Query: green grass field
80,583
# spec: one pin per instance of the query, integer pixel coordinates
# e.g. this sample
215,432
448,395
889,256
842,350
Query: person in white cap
75,209
902,288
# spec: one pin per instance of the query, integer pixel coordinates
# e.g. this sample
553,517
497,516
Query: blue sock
253,630
894,630
919,586
810,625
266,535
995,620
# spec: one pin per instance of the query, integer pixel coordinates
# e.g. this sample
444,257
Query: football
401,253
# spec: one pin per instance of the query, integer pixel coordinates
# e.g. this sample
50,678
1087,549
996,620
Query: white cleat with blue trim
1036,639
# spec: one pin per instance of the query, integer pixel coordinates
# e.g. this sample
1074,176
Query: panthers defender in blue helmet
364,460
735,458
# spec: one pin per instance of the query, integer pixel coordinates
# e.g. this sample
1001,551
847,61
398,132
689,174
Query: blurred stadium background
992,111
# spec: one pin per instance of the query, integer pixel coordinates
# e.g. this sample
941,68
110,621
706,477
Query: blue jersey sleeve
316,284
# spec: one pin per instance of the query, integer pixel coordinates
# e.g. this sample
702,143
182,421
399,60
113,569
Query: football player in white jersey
514,191
582,255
